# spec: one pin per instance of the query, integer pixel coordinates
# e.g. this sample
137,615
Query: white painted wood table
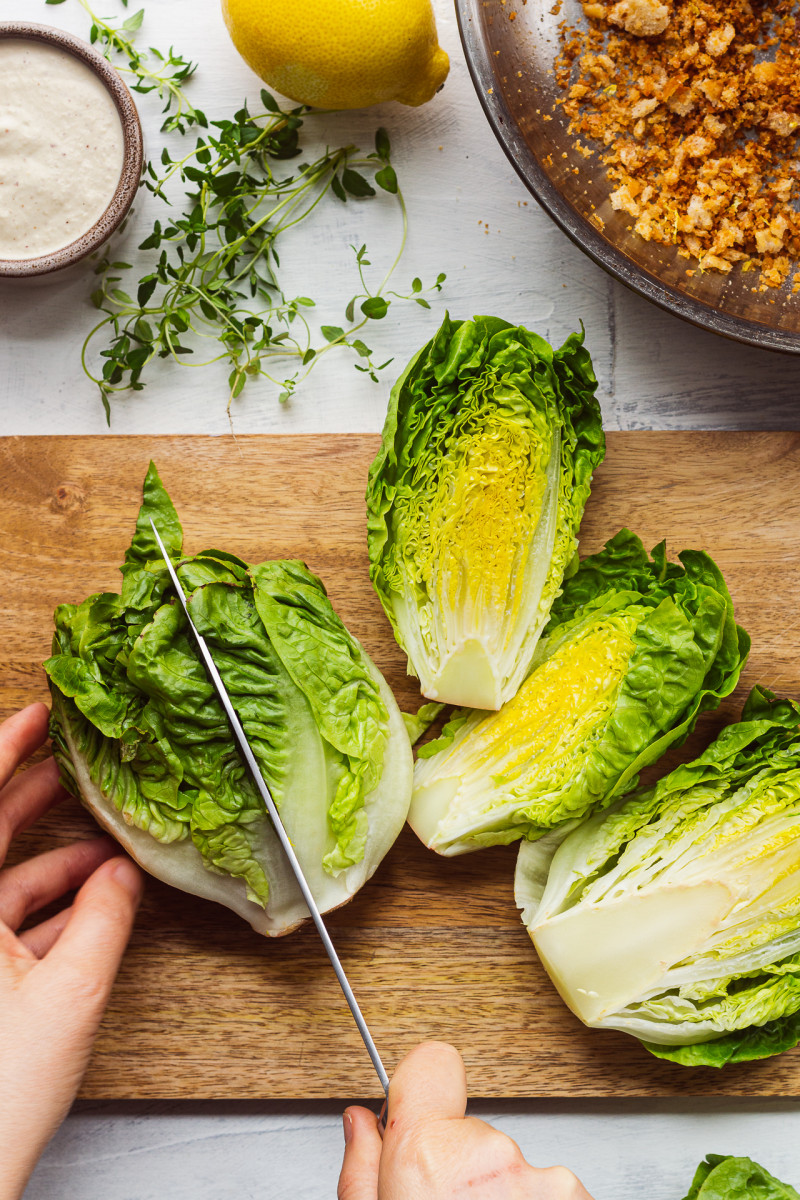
471,217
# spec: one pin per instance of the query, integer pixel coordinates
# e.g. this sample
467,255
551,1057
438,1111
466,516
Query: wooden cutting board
434,947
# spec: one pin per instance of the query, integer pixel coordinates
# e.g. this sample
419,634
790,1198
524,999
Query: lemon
341,53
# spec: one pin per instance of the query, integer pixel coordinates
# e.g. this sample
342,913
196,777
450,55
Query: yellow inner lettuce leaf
471,536
476,533
559,702
516,758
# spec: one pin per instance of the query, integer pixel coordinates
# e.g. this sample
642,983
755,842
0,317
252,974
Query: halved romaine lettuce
635,649
141,737
475,498
675,915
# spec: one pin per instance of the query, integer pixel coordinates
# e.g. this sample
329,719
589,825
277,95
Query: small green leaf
236,381
146,289
356,184
331,333
309,354
350,311
387,179
305,301
375,307
137,358
269,102
360,348
337,189
134,22
422,303
416,285
143,330
120,296
382,144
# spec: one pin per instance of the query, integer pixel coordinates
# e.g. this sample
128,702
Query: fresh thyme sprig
213,272
152,70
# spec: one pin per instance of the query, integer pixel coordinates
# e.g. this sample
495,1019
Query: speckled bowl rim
608,256
132,158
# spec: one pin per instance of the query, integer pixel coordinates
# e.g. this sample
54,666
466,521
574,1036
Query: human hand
55,979
432,1151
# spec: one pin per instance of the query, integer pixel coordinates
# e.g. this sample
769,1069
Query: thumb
429,1084
362,1156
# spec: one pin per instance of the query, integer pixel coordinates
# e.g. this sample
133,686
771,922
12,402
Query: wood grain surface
434,948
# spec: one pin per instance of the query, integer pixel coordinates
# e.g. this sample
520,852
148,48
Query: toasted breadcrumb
642,18
694,107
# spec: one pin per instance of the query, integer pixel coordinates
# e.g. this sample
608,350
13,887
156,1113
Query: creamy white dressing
61,148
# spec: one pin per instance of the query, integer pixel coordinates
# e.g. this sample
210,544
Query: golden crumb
694,108
642,18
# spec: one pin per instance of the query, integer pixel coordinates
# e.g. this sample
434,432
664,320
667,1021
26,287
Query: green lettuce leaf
635,649
327,666
727,1177
141,735
743,1045
420,722
475,498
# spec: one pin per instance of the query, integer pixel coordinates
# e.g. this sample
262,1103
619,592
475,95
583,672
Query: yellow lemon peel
341,54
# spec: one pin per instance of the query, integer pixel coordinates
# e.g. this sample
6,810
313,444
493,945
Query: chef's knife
247,754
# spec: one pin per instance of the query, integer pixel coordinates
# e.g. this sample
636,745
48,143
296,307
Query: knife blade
246,752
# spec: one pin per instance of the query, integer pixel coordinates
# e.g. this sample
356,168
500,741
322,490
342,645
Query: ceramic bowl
131,173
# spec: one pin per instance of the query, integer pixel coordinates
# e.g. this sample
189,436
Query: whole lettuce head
475,499
143,740
635,648
675,915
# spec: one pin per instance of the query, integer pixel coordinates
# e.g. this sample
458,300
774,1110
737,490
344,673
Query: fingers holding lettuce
431,1150
55,977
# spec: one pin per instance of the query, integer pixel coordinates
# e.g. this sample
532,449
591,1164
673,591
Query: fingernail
127,876
347,1122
